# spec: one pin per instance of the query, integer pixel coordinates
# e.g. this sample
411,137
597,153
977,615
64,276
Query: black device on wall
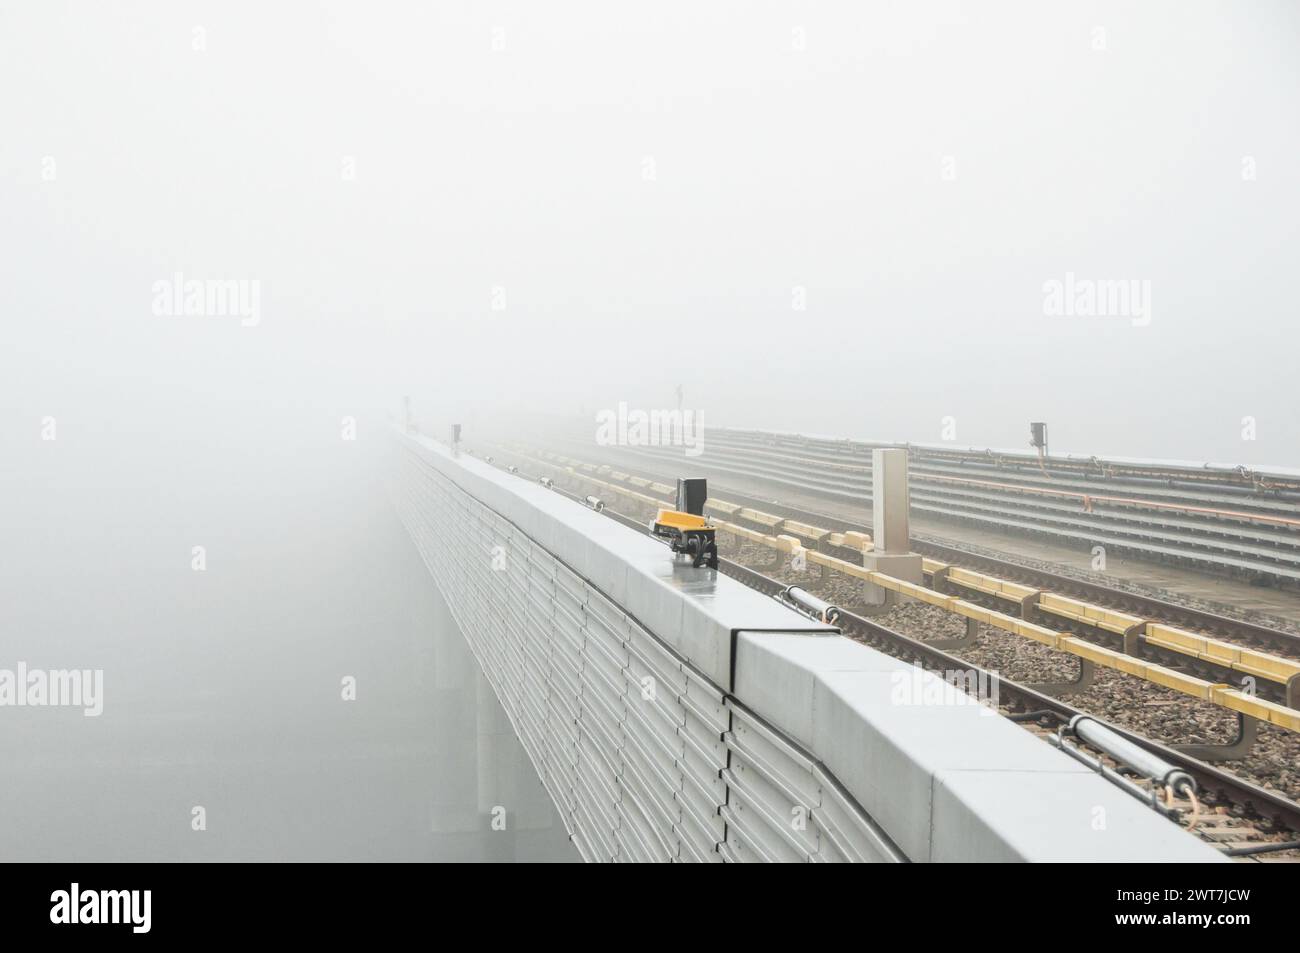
691,494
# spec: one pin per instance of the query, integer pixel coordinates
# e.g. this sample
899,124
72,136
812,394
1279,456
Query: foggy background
223,687
644,187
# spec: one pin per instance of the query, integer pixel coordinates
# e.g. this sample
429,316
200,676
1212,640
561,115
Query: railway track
1242,819
1243,631
1189,662
1229,522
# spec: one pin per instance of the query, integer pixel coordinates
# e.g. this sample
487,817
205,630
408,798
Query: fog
278,678
839,218
571,205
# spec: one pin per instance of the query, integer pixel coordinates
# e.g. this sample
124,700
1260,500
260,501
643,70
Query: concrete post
889,501
890,532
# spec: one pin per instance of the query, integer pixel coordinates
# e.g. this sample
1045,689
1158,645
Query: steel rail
1222,550
1236,479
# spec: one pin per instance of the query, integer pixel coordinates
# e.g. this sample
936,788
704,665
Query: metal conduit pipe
1127,753
1110,774
806,602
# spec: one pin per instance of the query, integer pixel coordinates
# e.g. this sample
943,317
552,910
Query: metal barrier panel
605,711
633,743
782,806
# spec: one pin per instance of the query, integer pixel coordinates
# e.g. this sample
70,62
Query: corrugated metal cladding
645,759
